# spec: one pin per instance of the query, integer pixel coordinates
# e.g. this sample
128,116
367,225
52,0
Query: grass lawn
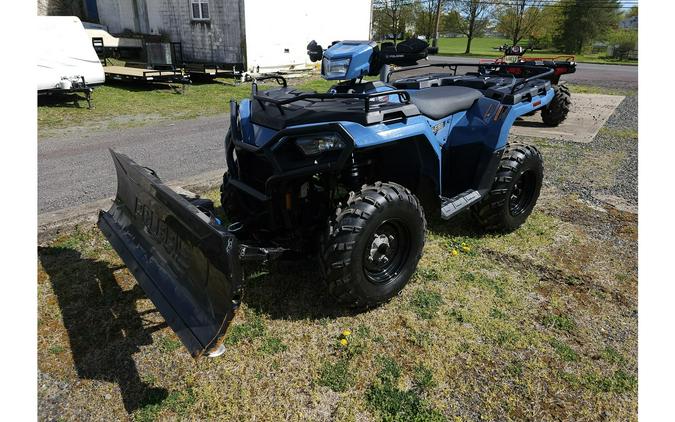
539,324
479,46
484,47
126,105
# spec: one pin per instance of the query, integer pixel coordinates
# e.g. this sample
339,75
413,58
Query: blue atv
346,176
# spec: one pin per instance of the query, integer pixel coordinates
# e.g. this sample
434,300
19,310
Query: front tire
556,111
373,245
231,200
515,189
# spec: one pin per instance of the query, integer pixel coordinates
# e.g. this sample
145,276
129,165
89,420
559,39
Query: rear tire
515,189
373,245
556,111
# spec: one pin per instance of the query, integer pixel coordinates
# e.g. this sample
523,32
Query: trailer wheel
556,111
373,245
515,189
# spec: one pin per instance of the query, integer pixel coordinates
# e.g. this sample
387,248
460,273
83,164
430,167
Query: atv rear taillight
514,70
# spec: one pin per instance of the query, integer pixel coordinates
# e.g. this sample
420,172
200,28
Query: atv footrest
452,206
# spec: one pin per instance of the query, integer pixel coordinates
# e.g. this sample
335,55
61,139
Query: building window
200,10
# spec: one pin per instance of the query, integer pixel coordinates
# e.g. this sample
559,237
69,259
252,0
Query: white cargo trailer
277,32
66,60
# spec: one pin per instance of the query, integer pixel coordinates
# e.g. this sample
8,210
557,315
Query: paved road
604,74
77,169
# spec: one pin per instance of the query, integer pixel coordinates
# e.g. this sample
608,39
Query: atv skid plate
188,265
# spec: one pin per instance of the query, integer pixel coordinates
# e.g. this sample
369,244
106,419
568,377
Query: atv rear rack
482,67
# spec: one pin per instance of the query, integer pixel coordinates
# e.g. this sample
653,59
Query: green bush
624,41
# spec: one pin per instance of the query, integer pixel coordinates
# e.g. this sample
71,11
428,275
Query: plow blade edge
187,266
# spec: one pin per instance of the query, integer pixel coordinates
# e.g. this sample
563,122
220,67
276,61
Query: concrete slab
588,114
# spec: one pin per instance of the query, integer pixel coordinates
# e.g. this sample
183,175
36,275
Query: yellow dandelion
346,333
343,342
455,252
466,248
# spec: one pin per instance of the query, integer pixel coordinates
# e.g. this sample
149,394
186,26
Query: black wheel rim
386,252
522,193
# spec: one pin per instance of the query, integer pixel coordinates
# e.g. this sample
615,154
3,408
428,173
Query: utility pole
370,26
438,21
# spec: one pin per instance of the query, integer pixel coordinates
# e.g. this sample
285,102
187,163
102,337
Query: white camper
66,59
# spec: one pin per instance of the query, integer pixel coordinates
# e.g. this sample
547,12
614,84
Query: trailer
135,72
158,66
209,71
115,46
66,61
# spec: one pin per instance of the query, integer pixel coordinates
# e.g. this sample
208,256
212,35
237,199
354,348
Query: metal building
261,35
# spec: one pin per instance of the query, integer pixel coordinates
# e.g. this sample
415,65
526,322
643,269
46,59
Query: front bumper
259,171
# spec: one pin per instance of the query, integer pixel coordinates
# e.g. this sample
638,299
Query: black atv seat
441,101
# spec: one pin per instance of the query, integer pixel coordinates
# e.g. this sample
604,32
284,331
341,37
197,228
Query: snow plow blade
187,265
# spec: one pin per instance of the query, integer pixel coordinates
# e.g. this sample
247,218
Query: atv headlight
319,143
335,68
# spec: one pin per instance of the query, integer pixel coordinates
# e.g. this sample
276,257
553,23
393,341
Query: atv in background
346,177
556,112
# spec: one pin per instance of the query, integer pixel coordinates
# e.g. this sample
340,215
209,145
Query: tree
473,18
61,8
518,19
542,35
387,17
450,22
583,21
623,42
425,17
633,11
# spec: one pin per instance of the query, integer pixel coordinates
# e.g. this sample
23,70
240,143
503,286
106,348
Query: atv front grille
254,169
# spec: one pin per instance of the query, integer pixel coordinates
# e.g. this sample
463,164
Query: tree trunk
468,44
469,34
438,22
393,29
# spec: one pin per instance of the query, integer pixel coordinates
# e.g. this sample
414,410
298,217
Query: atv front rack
403,96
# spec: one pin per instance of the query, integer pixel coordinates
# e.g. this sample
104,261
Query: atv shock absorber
352,174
